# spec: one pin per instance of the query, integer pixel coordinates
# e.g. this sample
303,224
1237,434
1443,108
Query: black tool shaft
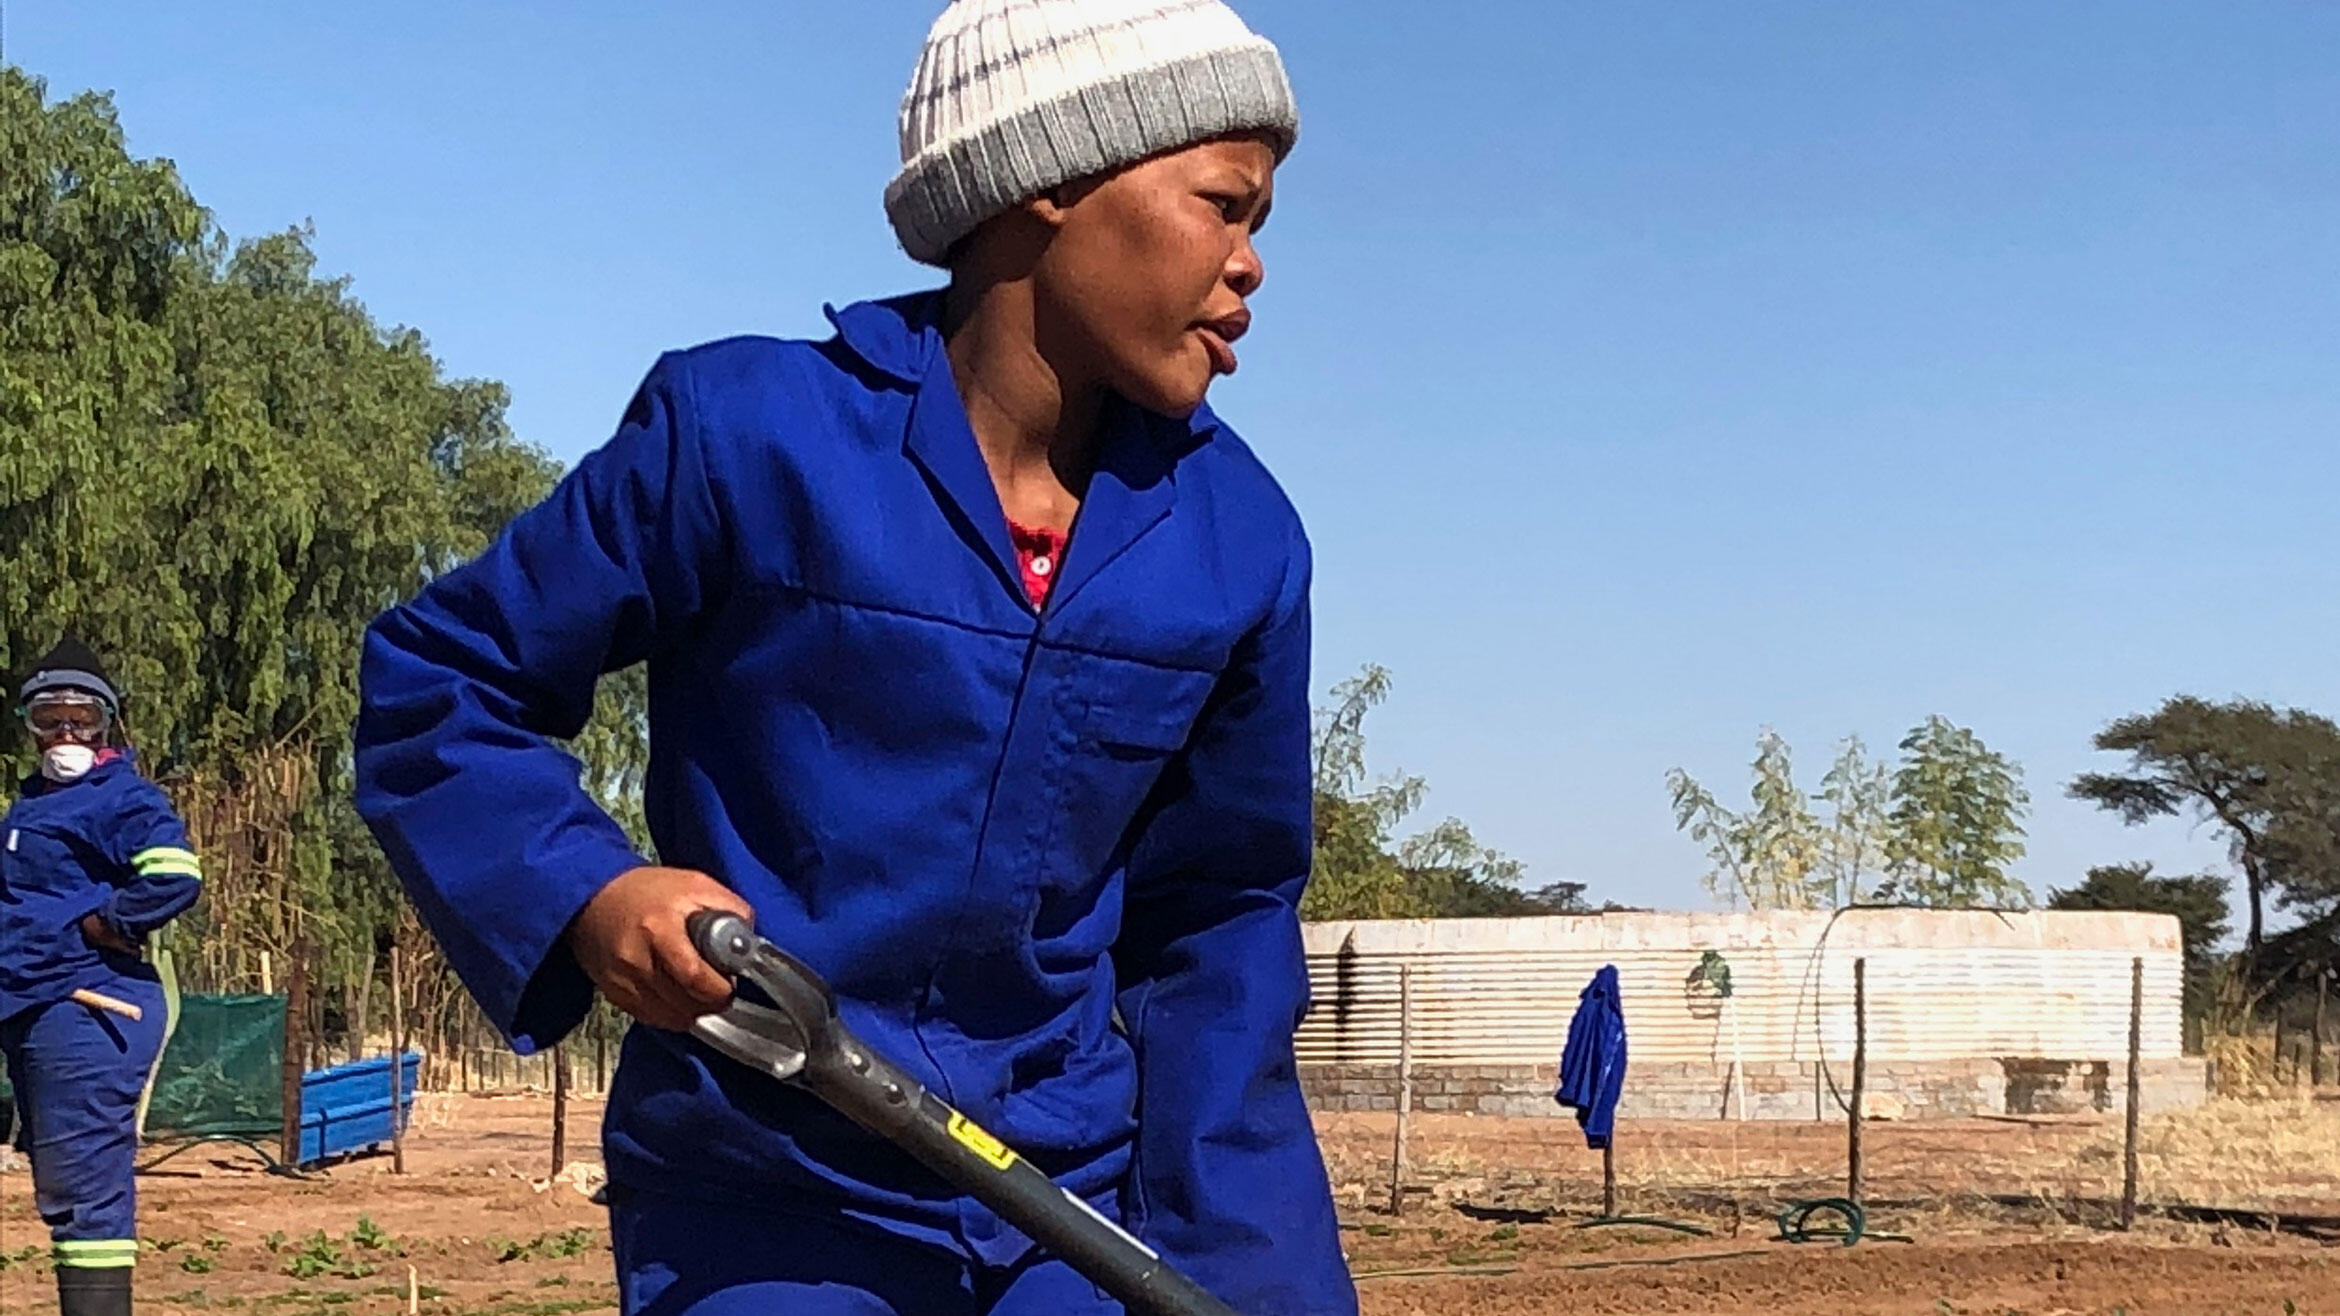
876,1094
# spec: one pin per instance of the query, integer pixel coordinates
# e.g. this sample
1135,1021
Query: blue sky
1647,374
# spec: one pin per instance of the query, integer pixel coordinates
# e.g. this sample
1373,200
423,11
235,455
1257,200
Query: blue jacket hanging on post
108,844
1592,1067
986,825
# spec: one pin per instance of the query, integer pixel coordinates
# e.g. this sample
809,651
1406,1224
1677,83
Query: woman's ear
1048,209
1055,205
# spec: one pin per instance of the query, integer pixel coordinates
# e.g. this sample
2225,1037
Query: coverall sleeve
465,690
159,875
1229,1183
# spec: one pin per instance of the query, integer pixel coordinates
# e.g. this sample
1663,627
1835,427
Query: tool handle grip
713,938
725,940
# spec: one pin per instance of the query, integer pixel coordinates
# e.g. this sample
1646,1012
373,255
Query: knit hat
1014,97
69,666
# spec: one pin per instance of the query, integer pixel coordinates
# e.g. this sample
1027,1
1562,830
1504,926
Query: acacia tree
2269,778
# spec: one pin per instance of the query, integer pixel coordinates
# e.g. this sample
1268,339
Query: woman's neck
1035,421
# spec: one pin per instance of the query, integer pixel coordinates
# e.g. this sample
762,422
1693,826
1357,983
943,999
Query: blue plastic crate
346,1109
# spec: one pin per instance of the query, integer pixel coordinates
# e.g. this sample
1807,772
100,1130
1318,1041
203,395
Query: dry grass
2241,1064
2279,1154
2275,1154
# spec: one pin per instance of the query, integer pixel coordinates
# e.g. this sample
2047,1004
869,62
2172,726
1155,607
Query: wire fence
2254,1142
2244,1137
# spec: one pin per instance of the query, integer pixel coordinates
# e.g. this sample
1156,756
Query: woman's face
1147,275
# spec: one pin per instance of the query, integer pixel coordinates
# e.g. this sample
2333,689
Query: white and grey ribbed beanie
1014,97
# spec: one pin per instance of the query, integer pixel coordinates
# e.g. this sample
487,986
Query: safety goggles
68,717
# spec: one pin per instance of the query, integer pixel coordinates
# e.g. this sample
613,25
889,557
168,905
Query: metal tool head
757,1037
777,1039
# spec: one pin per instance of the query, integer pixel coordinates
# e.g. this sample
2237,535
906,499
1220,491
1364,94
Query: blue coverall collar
1131,490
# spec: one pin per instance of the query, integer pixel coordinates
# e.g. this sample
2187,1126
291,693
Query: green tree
615,751
1362,869
2197,901
2268,777
1859,794
1356,875
1939,831
1956,822
218,468
1773,856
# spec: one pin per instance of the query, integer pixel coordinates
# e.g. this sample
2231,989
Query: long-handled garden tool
803,1042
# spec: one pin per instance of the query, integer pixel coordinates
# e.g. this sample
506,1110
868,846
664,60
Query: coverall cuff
558,994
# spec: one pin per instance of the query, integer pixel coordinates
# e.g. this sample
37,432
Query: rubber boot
84,1291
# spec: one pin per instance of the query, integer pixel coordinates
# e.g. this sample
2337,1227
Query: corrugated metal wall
1942,985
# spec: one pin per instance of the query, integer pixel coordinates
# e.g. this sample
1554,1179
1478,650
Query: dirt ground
1494,1223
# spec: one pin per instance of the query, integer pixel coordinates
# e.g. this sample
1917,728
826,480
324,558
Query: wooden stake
600,1054
2136,1087
101,1001
296,1049
1852,1154
1405,1102
2316,1044
560,1087
397,1065
1609,1177
267,978
357,1001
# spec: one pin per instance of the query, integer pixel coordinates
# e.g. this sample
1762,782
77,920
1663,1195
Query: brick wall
1789,1090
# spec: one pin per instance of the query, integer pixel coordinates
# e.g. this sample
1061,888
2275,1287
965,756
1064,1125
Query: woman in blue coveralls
979,661
94,860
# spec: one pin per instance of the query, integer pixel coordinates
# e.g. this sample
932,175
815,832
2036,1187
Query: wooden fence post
2136,1087
1405,1101
1860,1081
397,1066
2316,1045
296,1043
560,1087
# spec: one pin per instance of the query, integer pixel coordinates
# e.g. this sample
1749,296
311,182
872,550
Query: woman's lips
1219,337
1222,352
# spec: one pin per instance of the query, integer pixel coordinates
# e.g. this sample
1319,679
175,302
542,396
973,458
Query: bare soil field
1998,1214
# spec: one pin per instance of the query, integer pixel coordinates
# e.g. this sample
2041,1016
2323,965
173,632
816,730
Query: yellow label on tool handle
971,1136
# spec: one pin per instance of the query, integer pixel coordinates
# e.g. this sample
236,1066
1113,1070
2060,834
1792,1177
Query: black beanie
70,666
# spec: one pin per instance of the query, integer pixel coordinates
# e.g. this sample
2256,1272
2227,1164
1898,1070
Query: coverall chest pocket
1137,714
1137,731
44,860
1126,728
